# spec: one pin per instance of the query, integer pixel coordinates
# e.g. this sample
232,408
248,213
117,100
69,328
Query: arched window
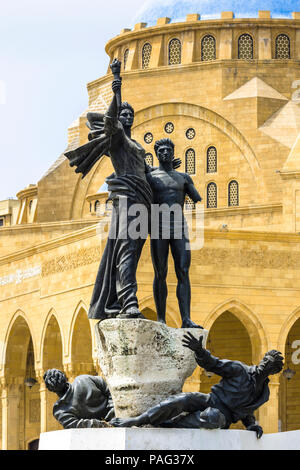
283,47
211,199
149,159
146,55
233,193
189,204
208,48
126,54
211,160
97,206
190,162
245,47
174,52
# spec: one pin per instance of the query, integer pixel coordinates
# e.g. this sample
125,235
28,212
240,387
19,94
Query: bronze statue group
87,401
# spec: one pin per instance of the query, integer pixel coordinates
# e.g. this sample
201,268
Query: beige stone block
139,26
193,17
227,15
296,15
163,21
264,14
125,30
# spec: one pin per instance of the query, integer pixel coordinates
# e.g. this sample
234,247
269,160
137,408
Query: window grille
211,195
126,54
189,204
212,160
97,206
245,47
169,127
233,193
190,162
146,55
148,138
190,133
149,159
1,222
283,47
208,48
174,52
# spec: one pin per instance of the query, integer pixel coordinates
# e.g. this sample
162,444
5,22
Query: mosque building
222,80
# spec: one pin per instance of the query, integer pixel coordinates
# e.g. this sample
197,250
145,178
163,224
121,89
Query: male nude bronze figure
170,188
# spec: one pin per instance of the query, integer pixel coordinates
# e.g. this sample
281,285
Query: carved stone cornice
245,258
211,24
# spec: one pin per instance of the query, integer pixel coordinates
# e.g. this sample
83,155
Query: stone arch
92,182
286,327
228,339
81,344
210,117
250,321
22,418
289,397
172,317
52,344
17,341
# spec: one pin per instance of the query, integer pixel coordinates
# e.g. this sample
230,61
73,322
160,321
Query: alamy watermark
162,222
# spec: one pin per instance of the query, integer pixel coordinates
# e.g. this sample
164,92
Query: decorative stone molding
74,260
244,258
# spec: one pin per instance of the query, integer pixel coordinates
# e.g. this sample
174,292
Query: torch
116,70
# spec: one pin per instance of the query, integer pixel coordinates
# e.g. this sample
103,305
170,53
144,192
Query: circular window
169,127
190,133
148,138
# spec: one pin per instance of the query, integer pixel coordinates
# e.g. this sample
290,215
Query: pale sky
49,51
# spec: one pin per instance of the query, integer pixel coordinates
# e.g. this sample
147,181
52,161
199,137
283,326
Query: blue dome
211,9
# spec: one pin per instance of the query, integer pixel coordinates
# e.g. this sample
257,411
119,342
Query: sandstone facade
227,93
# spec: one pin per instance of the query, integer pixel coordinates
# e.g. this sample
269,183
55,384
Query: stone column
264,44
269,412
43,399
157,54
11,398
72,370
225,48
188,47
297,44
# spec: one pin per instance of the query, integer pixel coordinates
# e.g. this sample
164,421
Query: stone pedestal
143,362
166,439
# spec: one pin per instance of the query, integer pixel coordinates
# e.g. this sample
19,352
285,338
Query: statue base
143,362
166,439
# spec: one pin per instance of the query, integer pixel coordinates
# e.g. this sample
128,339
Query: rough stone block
226,15
143,361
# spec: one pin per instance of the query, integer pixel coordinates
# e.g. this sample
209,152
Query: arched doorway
227,339
21,419
289,394
81,346
52,358
33,445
